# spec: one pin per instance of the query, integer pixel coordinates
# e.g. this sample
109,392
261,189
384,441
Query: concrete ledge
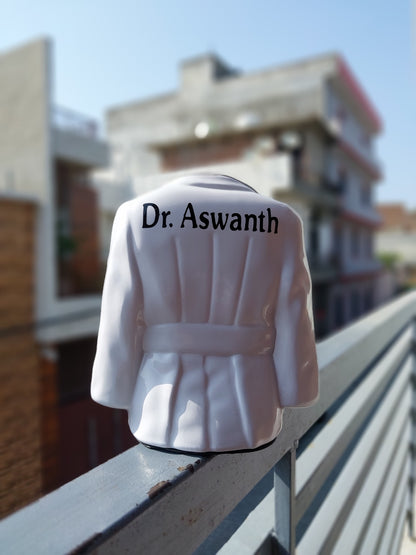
78,148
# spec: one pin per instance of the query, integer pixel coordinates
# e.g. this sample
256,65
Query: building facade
396,244
50,285
302,133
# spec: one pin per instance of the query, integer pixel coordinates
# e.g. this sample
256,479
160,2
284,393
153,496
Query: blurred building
396,244
50,284
302,133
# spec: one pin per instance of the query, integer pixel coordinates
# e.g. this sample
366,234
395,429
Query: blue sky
107,53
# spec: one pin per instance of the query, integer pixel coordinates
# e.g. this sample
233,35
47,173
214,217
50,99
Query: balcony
268,175
64,118
276,175
324,268
344,484
352,267
335,186
75,138
359,152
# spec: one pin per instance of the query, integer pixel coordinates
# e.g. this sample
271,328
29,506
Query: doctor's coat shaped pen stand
206,329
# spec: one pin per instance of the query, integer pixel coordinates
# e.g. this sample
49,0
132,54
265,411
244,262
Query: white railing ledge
170,493
150,501
85,511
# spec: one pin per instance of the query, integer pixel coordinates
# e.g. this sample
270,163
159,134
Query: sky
109,52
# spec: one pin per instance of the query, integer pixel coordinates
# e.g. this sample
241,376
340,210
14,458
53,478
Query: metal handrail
149,501
65,118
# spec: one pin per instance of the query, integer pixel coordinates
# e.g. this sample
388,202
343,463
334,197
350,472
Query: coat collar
214,180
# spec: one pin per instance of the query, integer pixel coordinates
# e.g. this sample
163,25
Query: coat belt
209,339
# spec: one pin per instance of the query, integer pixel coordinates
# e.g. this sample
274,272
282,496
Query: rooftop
396,216
210,83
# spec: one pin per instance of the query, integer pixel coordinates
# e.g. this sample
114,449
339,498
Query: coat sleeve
295,351
119,343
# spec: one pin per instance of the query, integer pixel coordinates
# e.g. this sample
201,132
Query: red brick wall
50,419
20,420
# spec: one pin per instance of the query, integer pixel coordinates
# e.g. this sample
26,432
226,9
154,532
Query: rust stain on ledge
187,467
157,488
192,516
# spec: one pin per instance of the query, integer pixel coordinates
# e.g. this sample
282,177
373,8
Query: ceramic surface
206,329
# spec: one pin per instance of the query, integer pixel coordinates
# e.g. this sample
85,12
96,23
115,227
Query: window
365,194
339,310
74,369
314,234
365,139
355,243
341,116
342,180
368,300
338,250
355,304
369,244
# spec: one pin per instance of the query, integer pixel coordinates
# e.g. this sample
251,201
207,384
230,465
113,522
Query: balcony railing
266,174
355,471
324,266
70,120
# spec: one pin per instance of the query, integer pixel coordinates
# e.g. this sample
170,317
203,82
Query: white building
46,156
303,133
